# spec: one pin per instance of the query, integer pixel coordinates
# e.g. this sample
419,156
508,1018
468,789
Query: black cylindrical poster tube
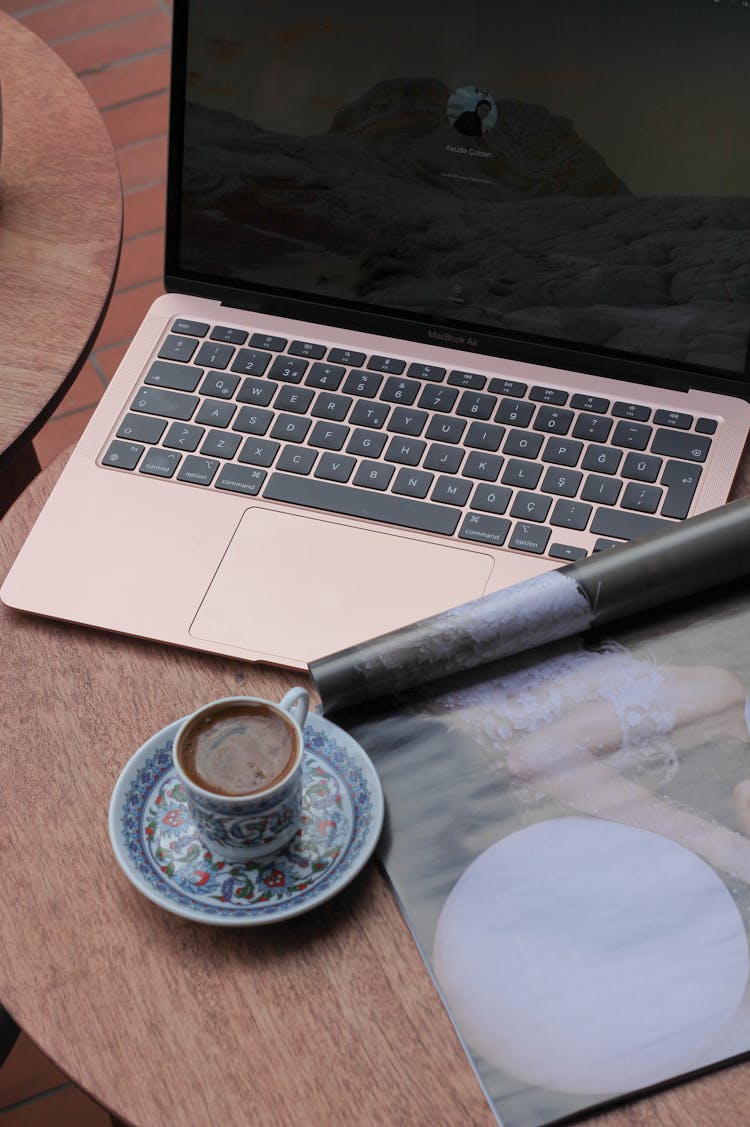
679,560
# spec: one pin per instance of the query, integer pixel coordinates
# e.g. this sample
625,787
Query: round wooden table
60,232
329,1019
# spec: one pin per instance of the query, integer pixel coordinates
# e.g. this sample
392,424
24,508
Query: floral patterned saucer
158,849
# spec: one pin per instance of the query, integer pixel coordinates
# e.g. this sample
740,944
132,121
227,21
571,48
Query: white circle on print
586,956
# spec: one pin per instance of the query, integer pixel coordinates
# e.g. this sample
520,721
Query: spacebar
366,503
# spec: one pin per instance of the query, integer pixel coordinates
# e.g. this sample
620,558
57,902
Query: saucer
156,844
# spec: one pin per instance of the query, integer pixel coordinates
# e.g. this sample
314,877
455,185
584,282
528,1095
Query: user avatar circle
471,111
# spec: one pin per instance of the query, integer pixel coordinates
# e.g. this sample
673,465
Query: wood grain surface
60,229
330,1019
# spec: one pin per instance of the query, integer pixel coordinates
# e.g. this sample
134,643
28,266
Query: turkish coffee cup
240,762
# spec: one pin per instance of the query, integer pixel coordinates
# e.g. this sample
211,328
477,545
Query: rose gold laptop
447,306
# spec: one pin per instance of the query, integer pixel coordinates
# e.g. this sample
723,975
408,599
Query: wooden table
329,1020
60,231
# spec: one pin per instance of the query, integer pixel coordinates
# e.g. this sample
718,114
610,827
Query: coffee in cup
243,748
240,761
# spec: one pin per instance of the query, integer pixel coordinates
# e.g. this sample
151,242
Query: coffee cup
240,762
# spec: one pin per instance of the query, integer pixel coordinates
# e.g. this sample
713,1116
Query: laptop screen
574,174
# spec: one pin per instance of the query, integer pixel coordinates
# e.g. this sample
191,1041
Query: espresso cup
240,762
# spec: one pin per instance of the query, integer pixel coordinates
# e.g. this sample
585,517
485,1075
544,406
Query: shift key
170,404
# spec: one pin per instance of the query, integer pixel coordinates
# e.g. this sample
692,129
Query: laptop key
641,467
516,412
228,334
593,403
141,428
531,506
291,428
602,490
220,385
177,348
530,537
438,398
554,395
334,407
189,328
386,364
563,482
444,459
412,483
445,430
170,404
635,436
296,459
406,451
643,498
374,475
571,514
681,480
362,383
521,444
484,436
366,443
562,451
241,479
407,420
426,372
259,392
180,377
476,405
307,349
251,362
451,490
335,467
632,411
677,444
520,473
160,463
329,436
595,428
467,379
370,504
565,552
553,419
288,369
213,354
291,398
264,340
369,414
486,467
253,420
491,498
219,444
258,451
216,413
347,357
198,471
122,455
625,525
601,459
677,419
181,436
484,529
327,376
507,387
400,391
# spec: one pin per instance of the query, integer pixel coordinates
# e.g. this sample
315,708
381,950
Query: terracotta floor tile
68,1108
143,163
95,50
27,1072
144,211
108,359
86,390
141,260
58,435
126,311
134,79
54,21
138,120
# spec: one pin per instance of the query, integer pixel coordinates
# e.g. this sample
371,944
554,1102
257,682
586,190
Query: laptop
450,302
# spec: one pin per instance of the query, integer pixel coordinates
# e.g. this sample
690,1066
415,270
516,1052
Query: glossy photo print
568,833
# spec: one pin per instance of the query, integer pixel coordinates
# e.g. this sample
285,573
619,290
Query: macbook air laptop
451,301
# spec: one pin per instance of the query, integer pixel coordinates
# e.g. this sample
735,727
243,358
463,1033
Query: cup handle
296,703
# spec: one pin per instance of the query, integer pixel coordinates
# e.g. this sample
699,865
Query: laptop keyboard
451,452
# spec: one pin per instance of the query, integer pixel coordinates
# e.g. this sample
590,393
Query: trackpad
295,588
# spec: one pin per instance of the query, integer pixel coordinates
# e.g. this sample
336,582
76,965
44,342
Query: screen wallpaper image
576,172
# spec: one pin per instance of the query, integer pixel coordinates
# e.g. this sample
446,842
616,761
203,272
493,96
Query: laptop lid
566,185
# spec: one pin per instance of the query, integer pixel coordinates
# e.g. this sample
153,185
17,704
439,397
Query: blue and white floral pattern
156,842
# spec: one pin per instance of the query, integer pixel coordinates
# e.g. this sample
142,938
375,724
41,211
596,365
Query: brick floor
120,50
